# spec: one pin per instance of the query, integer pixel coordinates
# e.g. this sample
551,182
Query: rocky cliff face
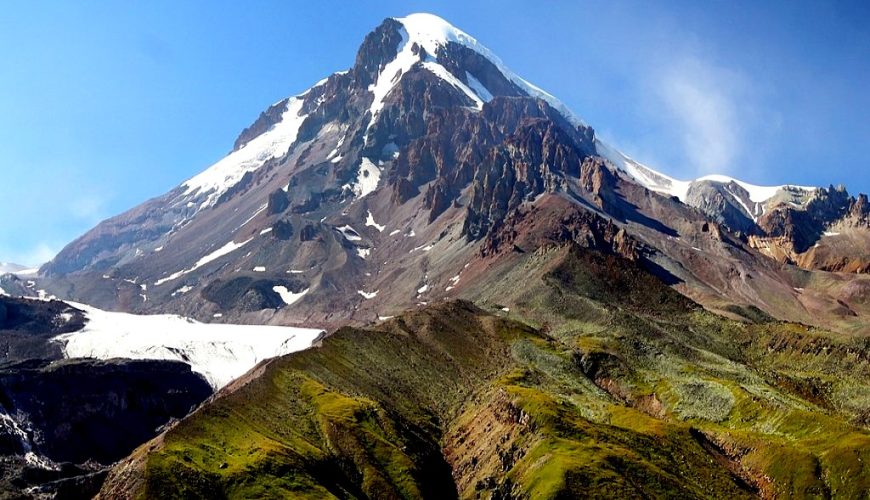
63,421
794,234
82,410
27,327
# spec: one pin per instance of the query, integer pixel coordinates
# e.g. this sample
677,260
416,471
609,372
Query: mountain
368,193
516,308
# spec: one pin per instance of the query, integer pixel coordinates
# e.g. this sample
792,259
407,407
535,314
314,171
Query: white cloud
89,208
709,108
34,256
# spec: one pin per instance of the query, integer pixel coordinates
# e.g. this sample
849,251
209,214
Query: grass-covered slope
600,382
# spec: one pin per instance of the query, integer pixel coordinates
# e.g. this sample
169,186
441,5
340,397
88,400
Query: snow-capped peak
432,33
8,267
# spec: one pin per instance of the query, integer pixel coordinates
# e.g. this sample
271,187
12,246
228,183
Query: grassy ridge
601,382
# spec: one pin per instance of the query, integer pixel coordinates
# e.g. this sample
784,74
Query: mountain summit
374,189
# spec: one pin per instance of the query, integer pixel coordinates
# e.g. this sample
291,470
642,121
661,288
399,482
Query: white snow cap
431,33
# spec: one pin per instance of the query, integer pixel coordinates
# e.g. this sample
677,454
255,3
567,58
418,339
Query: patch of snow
746,209
370,221
266,231
388,78
288,296
349,233
367,178
423,289
220,252
158,249
333,155
368,295
219,352
217,315
831,233
295,271
260,269
15,430
425,248
249,219
506,309
363,252
182,290
757,194
391,150
395,232
384,318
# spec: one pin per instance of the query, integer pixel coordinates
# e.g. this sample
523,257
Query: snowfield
220,352
226,173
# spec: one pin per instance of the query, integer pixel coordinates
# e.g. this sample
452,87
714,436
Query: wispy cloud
710,108
36,255
90,208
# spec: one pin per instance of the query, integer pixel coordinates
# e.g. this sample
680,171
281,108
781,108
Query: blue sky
104,105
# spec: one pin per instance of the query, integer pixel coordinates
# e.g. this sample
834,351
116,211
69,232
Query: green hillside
598,381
